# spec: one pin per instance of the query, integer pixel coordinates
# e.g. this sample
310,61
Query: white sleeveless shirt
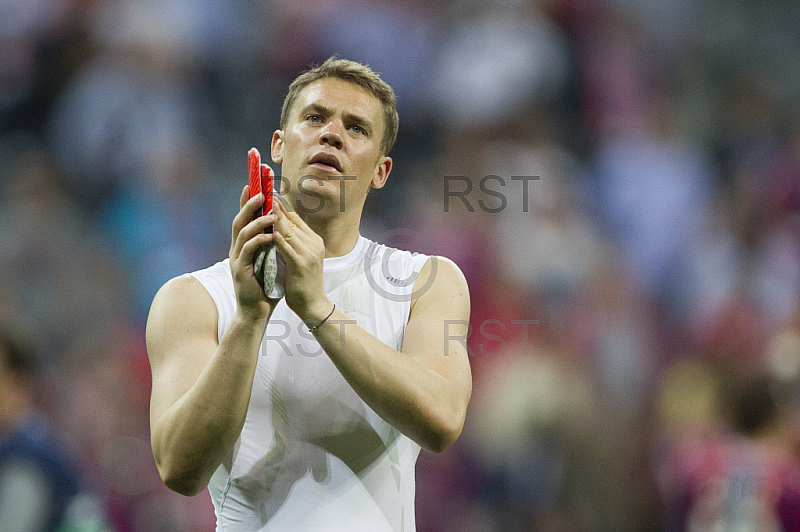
312,456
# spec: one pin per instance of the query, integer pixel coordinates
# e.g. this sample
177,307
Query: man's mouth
326,162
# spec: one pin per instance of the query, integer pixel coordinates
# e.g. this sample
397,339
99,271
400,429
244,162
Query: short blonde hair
358,74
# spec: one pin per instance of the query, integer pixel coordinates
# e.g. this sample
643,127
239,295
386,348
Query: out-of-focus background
635,308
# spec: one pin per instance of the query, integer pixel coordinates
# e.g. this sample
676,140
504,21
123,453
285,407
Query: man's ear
382,172
277,146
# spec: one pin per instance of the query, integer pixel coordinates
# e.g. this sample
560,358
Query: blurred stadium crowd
624,301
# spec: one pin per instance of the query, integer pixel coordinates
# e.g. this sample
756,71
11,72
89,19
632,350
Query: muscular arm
201,385
201,388
423,389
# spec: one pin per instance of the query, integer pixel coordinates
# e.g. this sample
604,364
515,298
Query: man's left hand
303,252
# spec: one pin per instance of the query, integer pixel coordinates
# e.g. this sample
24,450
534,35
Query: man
307,413
38,482
746,477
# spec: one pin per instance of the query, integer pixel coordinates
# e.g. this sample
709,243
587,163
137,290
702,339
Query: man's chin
317,194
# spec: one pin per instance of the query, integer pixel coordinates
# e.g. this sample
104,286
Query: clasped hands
301,249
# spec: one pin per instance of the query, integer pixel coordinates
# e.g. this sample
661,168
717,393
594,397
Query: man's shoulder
182,308
220,269
441,270
181,293
427,268
439,279
216,280
192,294
379,251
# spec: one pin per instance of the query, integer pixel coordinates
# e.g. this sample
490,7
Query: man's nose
332,134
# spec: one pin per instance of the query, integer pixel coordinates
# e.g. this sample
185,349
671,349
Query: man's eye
358,129
314,118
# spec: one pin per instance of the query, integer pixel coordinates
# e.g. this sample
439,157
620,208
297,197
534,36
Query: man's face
334,130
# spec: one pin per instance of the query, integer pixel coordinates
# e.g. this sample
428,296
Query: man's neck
340,233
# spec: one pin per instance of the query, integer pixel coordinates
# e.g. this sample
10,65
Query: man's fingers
249,231
285,248
294,217
259,225
286,228
238,220
278,199
247,254
291,230
247,212
296,234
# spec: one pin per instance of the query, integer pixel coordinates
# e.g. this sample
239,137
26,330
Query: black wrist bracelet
315,327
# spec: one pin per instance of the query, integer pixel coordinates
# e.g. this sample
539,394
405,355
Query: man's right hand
202,382
246,238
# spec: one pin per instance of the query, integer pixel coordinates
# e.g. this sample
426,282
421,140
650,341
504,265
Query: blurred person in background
738,470
37,480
